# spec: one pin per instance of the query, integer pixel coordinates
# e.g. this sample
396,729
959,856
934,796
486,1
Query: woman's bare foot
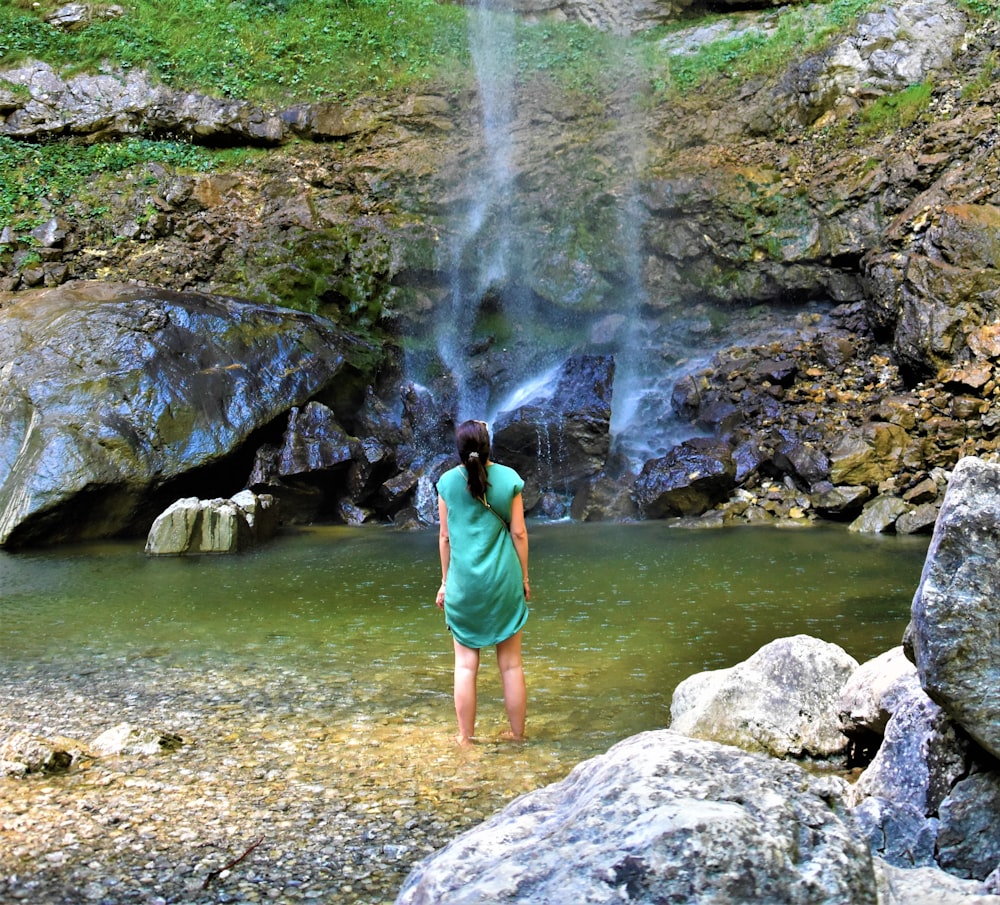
509,736
463,741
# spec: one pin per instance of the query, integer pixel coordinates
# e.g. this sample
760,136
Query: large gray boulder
660,818
953,634
875,691
111,394
926,886
919,760
783,700
969,838
897,832
918,756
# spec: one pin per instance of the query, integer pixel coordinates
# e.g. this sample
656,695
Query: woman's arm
519,534
444,550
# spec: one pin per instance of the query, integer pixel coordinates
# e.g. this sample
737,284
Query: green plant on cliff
762,47
988,9
279,50
577,56
284,51
895,111
988,76
36,181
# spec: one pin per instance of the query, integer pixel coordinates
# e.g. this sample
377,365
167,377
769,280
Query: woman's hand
440,597
527,589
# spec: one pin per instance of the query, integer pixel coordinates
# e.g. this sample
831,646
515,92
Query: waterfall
525,259
478,273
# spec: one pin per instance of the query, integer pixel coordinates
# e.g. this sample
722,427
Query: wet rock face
562,436
943,290
689,480
108,393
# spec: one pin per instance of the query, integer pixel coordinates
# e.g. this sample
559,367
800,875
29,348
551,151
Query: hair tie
473,455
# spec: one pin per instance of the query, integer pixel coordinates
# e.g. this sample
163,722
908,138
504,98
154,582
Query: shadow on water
312,678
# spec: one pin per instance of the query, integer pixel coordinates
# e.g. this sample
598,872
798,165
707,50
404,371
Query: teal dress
484,594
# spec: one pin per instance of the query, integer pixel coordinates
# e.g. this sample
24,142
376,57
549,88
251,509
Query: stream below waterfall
311,683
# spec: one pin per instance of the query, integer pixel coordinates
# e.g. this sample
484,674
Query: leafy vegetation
298,50
760,49
257,49
988,9
58,172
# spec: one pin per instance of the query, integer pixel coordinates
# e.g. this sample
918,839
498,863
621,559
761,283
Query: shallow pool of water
621,612
323,657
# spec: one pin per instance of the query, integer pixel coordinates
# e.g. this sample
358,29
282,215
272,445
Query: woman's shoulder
450,476
504,473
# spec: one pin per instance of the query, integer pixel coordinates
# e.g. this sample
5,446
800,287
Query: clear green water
621,614
311,682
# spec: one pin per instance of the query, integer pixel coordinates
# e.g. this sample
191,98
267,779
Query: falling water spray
477,267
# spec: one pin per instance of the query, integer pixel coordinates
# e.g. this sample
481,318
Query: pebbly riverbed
334,813
310,683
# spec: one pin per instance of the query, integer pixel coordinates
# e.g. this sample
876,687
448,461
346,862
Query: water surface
312,678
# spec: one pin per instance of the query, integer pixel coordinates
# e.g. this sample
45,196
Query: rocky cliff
677,228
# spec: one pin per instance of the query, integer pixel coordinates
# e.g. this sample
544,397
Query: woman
483,543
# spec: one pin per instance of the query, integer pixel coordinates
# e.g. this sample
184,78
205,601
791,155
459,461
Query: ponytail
472,442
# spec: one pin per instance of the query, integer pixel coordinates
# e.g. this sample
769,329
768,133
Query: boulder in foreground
660,818
953,634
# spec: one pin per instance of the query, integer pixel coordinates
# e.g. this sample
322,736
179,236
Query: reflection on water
324,656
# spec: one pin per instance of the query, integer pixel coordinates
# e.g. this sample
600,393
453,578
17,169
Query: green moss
896,111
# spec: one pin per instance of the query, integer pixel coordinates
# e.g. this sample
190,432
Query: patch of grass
257,49
764,48
895,111
286,51
987,78
883,116
578,57
36,180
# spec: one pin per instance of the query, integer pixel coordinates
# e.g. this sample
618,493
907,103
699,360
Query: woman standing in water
483,543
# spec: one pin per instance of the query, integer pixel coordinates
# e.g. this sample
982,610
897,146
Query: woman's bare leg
515,694
466,669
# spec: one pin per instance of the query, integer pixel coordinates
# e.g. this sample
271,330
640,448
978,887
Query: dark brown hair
472,441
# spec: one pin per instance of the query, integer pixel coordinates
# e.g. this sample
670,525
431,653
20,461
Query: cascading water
487,265
547,258
478,270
